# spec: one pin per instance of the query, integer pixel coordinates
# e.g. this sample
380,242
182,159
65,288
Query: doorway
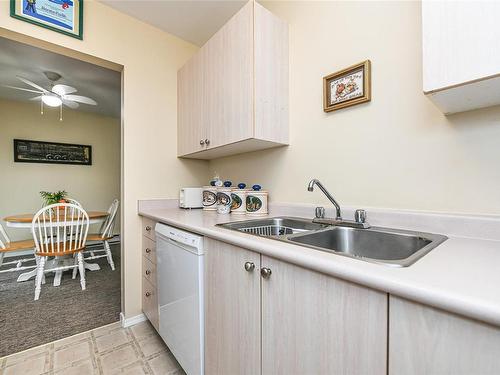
73,147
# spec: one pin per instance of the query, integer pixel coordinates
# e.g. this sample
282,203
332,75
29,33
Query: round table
25,220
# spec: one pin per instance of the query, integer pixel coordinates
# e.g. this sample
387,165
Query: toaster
191,197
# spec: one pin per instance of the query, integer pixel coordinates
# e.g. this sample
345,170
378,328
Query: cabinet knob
249,266
265,272
148,228
148,272
202,142
148,250
148,294
207,141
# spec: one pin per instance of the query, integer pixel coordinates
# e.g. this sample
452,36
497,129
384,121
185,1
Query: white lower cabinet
295,321
232,310
425,340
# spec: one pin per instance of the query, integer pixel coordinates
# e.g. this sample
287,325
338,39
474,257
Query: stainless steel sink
389,246
272,227
393,247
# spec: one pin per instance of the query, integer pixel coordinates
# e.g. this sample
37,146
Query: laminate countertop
462,275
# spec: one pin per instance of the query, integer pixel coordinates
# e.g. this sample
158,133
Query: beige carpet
61,311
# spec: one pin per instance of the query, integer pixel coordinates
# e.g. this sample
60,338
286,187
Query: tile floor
106,350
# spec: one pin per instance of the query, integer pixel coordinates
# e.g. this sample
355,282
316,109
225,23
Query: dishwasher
179,257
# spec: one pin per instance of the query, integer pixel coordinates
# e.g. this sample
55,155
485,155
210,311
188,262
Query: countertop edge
283,251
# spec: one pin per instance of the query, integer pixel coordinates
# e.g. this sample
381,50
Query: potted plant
53,197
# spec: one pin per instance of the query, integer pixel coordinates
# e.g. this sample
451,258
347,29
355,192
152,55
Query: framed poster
26,151
347,87
63,16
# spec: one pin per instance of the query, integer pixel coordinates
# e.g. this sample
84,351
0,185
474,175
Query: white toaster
191,197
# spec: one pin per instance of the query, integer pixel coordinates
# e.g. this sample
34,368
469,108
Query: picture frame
347,87
62,16
29,151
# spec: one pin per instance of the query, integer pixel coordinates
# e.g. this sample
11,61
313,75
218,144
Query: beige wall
150,60
398,151
94,186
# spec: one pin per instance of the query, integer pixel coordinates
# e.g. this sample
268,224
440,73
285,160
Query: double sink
392,247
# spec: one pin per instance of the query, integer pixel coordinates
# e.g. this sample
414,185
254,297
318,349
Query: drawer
150,303
149,249
149,270
148,228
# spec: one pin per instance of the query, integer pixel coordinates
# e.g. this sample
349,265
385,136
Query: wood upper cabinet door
425,340
317,324
232,310
229,65
190,95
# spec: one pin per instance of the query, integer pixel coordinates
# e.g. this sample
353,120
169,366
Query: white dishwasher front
180,295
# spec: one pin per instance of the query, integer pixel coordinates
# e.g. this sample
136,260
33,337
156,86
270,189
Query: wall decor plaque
347,87
63,16
27,151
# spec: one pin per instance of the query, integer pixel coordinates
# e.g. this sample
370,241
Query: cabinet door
232,310
190,93
316,324
424,340
230,81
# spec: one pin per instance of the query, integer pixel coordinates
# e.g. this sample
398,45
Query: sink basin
274,227
392,247
389,246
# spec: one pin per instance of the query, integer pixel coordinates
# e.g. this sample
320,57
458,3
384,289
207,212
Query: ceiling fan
57,95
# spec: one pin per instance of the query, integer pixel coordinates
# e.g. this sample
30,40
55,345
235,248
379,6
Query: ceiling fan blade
63,89
80,99
20,88
32,84
37,97
70,104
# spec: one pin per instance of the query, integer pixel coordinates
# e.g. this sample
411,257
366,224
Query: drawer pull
148,250
148,228
148,294
148,272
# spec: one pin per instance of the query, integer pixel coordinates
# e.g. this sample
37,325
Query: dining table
25,221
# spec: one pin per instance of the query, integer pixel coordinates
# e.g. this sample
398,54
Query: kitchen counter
462,275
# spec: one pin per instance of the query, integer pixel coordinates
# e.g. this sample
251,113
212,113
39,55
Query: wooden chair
6,246
58,230
104,235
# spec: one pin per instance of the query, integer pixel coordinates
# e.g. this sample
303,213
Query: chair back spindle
4,238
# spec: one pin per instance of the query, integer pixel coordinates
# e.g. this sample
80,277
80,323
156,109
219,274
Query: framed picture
26,151
63,16
347,87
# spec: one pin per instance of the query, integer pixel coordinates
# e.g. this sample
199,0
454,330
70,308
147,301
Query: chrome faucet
359,215
310,187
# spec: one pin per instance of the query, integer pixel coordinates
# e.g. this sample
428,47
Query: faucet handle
320,212
360,216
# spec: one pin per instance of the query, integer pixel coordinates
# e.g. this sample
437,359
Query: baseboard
128,322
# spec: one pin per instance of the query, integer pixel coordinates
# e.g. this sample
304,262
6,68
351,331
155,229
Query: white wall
398,151
150,60
94,186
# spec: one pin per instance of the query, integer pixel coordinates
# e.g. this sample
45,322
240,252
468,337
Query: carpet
61,311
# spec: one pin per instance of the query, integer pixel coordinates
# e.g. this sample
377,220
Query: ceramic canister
209,198
256,202
239,197
224,200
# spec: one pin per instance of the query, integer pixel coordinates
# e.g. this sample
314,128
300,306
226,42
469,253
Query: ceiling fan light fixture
51,100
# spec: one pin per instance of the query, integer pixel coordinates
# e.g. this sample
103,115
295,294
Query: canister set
223,198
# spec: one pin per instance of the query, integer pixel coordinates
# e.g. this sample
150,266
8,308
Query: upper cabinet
233,93
461,63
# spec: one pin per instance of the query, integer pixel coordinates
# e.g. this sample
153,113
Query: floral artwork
347,87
